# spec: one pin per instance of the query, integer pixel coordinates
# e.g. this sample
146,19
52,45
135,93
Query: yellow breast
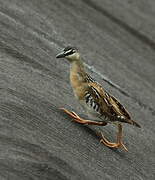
77,80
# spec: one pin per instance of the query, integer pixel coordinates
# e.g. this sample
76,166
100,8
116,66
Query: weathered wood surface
117,40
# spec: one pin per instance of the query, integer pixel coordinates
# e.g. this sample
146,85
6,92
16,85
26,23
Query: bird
100,106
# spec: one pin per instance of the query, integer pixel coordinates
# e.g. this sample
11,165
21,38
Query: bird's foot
72,114
77,119
119,142
113,145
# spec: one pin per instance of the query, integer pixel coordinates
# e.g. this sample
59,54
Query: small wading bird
101,107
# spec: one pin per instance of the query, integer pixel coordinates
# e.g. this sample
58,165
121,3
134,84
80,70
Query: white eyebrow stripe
68,52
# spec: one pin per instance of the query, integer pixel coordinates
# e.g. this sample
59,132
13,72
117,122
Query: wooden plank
116,40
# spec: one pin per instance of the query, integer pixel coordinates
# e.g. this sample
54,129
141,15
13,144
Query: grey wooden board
117,41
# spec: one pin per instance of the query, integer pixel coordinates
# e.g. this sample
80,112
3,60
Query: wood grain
116,39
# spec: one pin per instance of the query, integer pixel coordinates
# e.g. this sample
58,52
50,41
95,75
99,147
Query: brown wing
96,93
124,115
108,104
119,108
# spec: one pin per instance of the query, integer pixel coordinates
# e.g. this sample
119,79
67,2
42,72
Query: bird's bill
60,55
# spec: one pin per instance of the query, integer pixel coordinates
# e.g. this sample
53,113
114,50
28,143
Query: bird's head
70,53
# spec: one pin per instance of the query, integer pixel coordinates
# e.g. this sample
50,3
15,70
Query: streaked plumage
102,107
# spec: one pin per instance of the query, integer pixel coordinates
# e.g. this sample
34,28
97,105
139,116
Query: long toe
112,145
124,147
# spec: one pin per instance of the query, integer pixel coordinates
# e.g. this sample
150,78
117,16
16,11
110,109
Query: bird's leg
77,119
119,142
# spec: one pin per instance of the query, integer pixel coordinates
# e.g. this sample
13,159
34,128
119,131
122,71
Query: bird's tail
134,123
130,121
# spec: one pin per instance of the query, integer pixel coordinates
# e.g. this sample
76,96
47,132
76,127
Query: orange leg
77,119
119,142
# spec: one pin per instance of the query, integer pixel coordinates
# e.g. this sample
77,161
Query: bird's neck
77,66
77,72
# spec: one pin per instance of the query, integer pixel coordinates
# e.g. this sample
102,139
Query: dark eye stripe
68,52
68,48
